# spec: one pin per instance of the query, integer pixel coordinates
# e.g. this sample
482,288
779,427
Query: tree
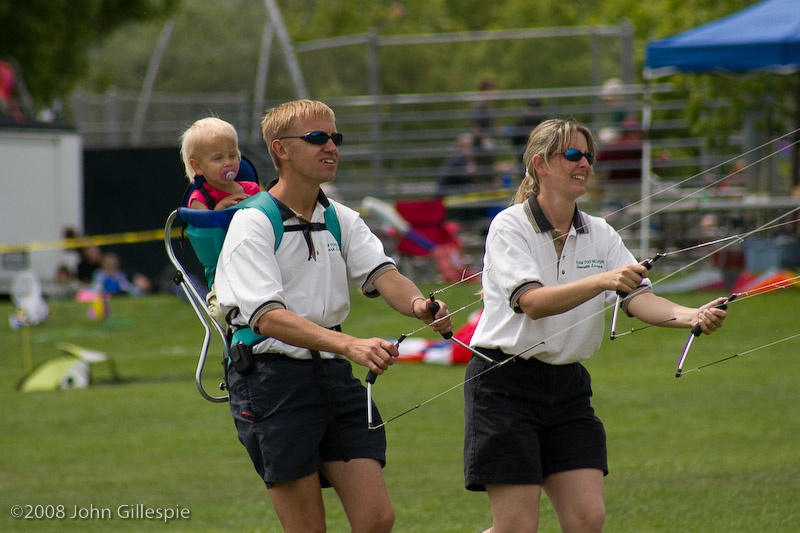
768,101
215,46
193,62
50,39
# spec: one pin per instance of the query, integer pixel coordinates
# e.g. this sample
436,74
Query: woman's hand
625,279
710,316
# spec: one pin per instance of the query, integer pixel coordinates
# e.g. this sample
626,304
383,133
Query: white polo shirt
253,277
520,255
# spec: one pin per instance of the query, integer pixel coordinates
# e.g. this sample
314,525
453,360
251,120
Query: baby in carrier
211,157
212,160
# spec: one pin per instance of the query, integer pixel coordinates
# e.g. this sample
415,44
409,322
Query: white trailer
41,175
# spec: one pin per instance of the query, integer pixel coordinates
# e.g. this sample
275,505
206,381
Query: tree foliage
205,30
215,48
50,39
772,97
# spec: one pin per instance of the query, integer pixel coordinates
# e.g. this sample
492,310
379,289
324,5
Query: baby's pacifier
229,175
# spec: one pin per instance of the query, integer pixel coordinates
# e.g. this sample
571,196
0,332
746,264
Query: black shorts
283,420
527,420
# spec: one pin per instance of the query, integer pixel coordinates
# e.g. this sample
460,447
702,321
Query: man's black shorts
283,421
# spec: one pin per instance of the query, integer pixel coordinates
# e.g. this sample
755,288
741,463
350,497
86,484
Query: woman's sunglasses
317,137
575,155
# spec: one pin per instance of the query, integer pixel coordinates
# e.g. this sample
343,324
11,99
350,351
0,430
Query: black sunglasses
575,155
317,137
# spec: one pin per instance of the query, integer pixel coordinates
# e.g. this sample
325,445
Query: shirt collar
286,211
540,223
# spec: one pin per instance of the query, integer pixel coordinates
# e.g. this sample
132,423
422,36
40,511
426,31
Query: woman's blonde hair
278,121
196,137
549,138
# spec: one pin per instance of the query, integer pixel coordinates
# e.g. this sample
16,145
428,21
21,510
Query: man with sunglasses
300,411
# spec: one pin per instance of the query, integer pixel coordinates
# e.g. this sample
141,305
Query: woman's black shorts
527,420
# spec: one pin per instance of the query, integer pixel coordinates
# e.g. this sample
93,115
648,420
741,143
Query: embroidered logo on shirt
589,263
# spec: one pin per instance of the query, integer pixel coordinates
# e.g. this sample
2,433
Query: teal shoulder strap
270,208
267,204
332,223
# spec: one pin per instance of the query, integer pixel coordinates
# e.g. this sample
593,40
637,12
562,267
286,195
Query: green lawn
713,451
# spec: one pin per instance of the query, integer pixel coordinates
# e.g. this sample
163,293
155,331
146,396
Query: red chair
429,227
431,235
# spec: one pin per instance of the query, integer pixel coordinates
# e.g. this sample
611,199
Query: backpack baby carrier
206,230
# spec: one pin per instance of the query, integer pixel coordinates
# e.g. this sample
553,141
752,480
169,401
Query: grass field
713,451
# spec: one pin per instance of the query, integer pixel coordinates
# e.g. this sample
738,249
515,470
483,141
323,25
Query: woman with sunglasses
548,271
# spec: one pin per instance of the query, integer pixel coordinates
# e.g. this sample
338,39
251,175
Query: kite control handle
372,376
434,310
696,331
648,264
449,336
434,307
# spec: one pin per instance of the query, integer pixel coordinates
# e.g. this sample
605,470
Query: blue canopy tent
764,37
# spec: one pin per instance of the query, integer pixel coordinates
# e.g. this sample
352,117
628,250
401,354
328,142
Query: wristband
412,305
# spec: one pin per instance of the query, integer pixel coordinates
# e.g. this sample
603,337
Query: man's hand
440,322
375,353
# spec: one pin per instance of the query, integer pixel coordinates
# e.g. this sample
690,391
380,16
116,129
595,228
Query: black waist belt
498,355
276,356
267,356
494,354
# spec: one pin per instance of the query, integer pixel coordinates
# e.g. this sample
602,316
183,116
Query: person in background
548,271
111,279
484,129
614,100
530,118
15,101
298,409
89,261
65,285
459,172
210,148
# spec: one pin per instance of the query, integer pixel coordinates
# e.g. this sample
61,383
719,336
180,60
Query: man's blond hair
278,121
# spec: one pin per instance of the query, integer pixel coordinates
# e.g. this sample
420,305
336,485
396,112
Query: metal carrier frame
182,279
